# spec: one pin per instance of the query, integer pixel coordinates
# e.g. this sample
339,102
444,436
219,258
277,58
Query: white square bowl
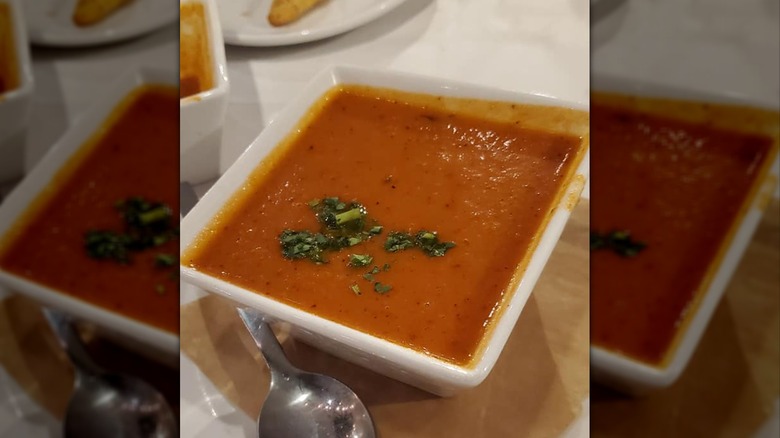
135,334
15,104
404,364
632,376
202,115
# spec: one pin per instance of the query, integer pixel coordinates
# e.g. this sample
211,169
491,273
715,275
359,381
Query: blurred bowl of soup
92,229
16,88
684,178
396,221
203,89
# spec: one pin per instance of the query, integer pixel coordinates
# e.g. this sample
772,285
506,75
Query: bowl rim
40,176
22,49
219,61
680,352
433,368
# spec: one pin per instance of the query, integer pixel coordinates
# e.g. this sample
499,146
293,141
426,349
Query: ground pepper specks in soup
484,185
677,187
137,155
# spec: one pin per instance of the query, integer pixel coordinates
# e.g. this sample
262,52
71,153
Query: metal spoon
108,405
301,404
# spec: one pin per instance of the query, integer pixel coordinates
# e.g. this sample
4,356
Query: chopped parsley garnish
342,225
303,245
396,241
382,288
165,260
427,241
346,224
107,245
618,241
146,225
359,260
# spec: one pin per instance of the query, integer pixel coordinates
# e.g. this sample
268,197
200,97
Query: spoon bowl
104,404
301,404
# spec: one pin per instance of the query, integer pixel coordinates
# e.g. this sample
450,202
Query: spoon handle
266,340
61,325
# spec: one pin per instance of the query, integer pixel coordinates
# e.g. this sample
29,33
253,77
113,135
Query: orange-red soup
678,187
9,70
486,186
195,69
136,155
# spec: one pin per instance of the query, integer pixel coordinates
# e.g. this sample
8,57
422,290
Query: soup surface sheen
677,187
136,155
195,71
484,185
9,70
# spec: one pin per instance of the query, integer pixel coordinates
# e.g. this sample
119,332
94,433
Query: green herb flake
429,242
356,289
619,241
368,277
375,230
375,270
382,288
386,267
164,260
107,245
397,241
359,260
301,245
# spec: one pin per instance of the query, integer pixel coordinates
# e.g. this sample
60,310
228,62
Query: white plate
245,22
49,22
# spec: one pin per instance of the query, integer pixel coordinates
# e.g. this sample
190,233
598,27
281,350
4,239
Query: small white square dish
408,363
204,90
710,168
16,88
58,176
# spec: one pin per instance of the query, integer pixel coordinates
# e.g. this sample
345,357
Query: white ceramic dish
15,104
134,334
634,377
245,22
202,115
401,363
50,22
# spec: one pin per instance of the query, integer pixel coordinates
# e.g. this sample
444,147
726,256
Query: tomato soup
133,156
486,187
195,65
9,69
678,187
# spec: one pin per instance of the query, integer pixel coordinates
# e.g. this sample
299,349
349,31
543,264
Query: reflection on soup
9,70
676,188
195,68
105,231
451,206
